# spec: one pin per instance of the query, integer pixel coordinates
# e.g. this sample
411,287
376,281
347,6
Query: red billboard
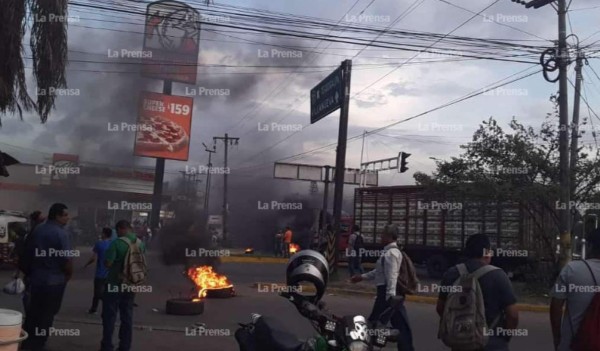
172,40
164,125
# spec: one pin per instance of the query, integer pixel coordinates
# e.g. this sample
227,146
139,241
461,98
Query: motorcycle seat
268,332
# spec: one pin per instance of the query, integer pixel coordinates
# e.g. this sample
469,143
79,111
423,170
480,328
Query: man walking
385,276
51,268
287,240
501,314
98,256
576,286
354,251
117,298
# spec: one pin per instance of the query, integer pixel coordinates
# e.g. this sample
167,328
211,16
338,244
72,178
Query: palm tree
48,50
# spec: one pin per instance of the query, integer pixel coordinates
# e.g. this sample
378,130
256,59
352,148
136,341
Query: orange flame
205,279
294,248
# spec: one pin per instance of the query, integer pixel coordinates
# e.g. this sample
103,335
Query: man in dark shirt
498,295
51,269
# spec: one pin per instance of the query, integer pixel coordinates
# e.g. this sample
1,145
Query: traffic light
536,4
403,163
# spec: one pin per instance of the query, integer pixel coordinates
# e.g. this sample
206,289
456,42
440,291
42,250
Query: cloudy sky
381,95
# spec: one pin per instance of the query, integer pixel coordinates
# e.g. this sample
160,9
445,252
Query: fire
205,279
249,250
294,248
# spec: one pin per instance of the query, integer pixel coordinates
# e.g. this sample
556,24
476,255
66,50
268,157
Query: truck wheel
437,266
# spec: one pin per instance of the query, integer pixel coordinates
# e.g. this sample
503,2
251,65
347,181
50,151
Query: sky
79,123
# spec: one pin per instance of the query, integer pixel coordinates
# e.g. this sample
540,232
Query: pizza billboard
164,125
172,40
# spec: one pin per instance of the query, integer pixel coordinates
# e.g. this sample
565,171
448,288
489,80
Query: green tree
48,43
520,165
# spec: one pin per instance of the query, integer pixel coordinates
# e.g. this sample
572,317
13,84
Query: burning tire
184,307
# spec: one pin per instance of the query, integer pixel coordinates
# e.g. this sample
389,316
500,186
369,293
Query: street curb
252,259
430,300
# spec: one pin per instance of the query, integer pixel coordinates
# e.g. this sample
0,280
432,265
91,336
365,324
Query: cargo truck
433,227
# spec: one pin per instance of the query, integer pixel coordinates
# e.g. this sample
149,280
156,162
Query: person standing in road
26,257
278,243
98,254
500,303
51,269
354,251
385,276
287,240
575,288
118,300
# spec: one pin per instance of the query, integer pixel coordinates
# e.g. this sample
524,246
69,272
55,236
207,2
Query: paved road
158,331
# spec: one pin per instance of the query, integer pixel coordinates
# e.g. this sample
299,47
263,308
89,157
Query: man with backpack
386,277
126,271
356,245
577,288
476,303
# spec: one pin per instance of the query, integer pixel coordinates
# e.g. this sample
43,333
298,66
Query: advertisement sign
164,125
327,96
172,41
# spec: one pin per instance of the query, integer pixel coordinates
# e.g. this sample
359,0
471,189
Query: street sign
327,96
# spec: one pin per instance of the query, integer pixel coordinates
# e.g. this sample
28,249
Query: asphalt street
155,330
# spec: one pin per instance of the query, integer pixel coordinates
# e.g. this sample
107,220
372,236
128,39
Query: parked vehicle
434,227
10,223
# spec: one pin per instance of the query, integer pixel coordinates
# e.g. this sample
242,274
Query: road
156,330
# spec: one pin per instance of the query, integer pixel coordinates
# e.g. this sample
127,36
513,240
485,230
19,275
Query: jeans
355,265
44,304
398,319
113,303
99,284
286,250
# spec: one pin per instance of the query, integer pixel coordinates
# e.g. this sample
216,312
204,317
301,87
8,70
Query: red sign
172,40
164,125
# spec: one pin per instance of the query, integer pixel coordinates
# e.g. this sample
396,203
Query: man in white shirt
385,276
576,287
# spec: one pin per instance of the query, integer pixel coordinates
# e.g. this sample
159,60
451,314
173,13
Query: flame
249,250
294,248
205,279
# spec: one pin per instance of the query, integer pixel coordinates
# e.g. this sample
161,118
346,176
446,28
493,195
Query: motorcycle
347,333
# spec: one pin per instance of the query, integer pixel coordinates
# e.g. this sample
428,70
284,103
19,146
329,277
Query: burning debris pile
209,283
294,248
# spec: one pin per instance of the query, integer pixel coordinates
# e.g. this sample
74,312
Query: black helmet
308,266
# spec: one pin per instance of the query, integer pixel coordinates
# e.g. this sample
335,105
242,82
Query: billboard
164,125
172,38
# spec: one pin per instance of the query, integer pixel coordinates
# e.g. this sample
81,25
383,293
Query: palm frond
49,51
13,87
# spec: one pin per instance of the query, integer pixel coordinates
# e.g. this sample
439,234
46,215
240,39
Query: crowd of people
46,263
477,304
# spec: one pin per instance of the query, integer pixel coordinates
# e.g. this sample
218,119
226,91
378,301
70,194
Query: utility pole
340,161
159,176
563,140
565,187
363,174
207,191
575,126
227,140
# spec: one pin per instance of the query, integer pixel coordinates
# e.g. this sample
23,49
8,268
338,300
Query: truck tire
436,266
184,307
